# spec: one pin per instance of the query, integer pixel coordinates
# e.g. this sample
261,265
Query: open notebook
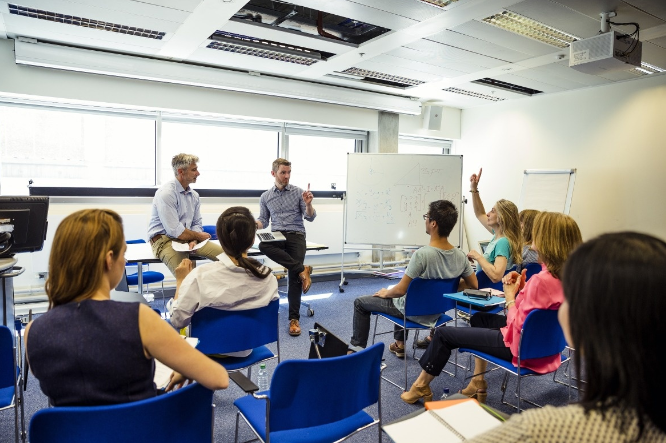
163,372
444,422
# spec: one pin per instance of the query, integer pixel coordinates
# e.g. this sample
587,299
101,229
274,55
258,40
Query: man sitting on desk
440,259
176,216
287,206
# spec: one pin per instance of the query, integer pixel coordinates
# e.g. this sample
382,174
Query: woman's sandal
478,391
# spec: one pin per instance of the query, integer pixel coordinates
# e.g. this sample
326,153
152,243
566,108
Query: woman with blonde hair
613,316
88,350
526,217
555,236
505,248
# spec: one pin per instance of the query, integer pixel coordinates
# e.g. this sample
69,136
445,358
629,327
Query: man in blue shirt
285,206
176,215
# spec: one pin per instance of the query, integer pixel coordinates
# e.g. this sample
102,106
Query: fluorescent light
439,3
519,24
647,69
473,94
381,76
105,63
57,17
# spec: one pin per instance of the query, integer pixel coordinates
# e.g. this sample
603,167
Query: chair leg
519,377
504,383
374,331
236,432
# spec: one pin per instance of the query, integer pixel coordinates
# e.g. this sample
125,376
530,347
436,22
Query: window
67,148
229,157
319,156
423,145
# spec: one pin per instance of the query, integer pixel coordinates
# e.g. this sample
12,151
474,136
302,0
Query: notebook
454,421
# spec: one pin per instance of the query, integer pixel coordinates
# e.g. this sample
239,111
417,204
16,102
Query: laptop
269,236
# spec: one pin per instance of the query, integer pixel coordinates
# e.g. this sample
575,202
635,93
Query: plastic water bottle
445,394
262,378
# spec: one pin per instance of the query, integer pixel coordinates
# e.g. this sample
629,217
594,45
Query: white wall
614,135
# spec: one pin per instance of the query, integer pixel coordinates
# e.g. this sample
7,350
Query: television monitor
24,218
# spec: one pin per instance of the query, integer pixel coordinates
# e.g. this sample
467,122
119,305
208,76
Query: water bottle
445,394
262,378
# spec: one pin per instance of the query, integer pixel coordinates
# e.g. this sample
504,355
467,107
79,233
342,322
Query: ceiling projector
607,52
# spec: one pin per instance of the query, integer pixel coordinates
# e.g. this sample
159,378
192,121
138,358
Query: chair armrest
243,382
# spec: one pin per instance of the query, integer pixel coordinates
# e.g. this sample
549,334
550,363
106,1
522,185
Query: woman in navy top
89,350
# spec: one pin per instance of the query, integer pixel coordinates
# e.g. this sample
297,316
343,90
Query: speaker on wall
432,117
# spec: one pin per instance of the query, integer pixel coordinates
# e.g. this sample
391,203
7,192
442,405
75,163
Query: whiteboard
547,190
387,195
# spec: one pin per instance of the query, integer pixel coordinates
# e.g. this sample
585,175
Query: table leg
139,277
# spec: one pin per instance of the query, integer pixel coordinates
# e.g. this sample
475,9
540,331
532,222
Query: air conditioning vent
473,94
505,86
83,22
381,78
256,47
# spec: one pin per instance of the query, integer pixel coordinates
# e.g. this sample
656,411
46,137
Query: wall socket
42,275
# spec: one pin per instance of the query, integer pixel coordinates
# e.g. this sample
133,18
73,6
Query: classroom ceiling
439,51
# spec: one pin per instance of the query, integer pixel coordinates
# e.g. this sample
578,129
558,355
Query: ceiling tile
654,55
449,54
642,12
462,41
412,9
558,16
506,39
653,7
661,42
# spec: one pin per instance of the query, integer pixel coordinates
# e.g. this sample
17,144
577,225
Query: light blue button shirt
284,208
175,209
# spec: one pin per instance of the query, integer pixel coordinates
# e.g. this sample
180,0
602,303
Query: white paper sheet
185,247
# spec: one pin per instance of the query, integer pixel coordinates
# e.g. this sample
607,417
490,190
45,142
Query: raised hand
475,179
307,196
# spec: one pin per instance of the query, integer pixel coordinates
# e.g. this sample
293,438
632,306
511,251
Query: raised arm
479,210
309,210
162,342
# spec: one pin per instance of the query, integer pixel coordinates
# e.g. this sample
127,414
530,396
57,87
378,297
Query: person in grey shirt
176,216
439,259
285,206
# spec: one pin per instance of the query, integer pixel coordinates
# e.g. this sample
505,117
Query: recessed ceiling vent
258,47
381,79
525,26
296,18
492,98
505,86
83,22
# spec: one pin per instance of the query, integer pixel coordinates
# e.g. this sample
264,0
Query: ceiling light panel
390,80
255,47
83,22
533,29
473,94
647,69
439,3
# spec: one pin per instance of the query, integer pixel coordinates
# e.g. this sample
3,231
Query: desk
140,253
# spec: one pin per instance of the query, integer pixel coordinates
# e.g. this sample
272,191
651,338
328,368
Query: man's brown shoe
294,328
306,281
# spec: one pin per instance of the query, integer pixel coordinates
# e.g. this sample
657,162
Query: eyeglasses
425,217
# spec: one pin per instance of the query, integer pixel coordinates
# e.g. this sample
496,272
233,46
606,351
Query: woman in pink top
555,237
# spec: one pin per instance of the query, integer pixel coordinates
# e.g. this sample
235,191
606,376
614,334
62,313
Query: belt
154,239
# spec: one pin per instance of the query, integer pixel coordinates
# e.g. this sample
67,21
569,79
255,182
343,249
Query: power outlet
42,275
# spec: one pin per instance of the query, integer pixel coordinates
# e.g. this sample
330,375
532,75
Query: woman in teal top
505,248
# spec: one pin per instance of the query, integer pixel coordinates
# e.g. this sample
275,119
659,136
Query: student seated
440,259
526,217
505,248
613,316
555,236
233,283
88,350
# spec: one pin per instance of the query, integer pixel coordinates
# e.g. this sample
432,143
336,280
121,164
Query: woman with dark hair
88,350
613,316
234,283
555,236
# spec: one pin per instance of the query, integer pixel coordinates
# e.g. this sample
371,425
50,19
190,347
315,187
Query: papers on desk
185,247
163,372
493,292
445,422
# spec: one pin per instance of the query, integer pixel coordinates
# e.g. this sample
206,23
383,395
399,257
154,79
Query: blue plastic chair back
210,229
542,335
7,368
485,282
307,393
184,415
222,332
425,296
134,242
532,268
